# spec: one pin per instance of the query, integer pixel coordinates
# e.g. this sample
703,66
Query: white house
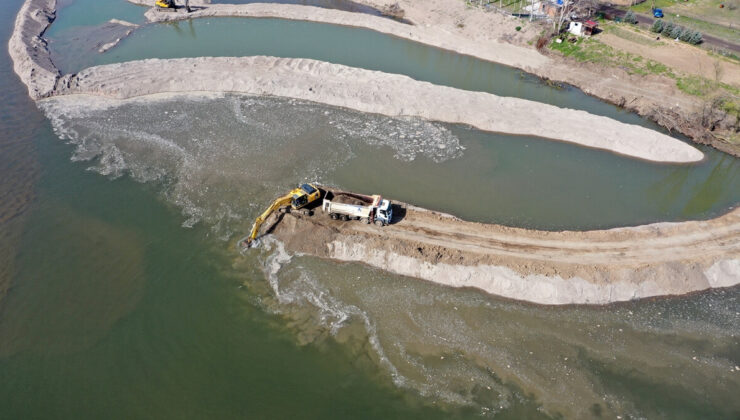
576,28
586,28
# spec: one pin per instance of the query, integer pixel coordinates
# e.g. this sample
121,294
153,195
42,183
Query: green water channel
228,156
504,179
114,310
77,14
225,37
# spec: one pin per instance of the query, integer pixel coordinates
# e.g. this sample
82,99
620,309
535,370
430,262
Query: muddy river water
127,300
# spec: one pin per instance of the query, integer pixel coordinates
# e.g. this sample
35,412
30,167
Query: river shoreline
649,97
449,25
390,95
364,90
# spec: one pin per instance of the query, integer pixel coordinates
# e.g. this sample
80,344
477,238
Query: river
127,300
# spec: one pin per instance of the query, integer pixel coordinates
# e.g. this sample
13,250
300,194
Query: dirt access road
648,20
677,55
594,267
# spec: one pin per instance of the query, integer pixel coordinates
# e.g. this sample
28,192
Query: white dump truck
378,212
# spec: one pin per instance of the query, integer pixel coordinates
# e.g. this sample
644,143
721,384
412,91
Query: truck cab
384,212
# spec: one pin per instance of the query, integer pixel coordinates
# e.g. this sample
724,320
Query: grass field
593,51
632,33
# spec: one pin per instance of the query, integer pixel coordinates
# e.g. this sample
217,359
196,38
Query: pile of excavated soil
594,267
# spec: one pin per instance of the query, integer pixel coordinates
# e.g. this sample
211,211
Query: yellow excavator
298,198
170,6
165,5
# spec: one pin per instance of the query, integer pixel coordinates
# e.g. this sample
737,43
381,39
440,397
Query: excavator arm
279,202
300,197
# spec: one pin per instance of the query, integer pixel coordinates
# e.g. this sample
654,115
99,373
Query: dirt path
592,267
679,56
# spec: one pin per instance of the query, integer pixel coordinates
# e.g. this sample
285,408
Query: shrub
668,28
657,26
676,32
686,35
696,38
518,28
630,17
541,42
696,85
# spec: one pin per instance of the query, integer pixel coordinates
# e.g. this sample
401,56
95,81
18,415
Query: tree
565,10
676,32
657,26
668,28
586,8
696,38
630,17
686,35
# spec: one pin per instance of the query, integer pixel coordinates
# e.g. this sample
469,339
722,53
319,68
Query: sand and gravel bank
375,92
28,50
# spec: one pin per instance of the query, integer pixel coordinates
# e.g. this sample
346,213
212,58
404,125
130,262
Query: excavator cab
299,201
165,5
304,195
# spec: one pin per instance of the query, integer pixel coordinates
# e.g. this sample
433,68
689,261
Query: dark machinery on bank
170,6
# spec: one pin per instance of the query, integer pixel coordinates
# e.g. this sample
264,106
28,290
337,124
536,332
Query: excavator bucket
246,243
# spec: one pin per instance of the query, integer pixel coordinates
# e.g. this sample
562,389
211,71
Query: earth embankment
362,90
553,268
28,50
